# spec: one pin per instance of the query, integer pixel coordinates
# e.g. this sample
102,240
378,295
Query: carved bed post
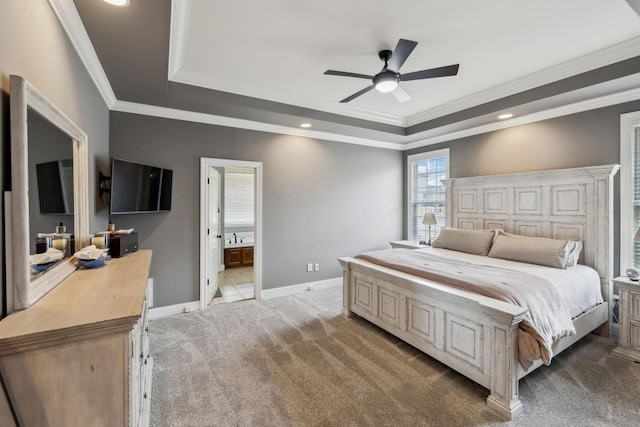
504,364
346,288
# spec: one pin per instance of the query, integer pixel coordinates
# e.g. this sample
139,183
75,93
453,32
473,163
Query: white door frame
205,163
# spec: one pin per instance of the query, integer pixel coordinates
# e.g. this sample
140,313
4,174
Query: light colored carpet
295,361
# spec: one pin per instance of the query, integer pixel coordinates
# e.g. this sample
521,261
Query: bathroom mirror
32,116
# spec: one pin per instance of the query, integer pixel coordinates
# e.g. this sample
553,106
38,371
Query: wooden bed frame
473,334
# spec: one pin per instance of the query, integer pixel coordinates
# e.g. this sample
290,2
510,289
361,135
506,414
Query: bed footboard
472,334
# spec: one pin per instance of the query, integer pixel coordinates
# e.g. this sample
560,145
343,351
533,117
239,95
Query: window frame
628,122
427,155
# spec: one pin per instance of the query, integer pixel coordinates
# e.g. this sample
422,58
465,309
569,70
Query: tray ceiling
267,59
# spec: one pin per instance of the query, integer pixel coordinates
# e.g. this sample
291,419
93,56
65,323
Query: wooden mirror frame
25,290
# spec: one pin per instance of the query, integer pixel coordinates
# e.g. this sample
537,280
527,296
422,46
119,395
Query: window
238,197
629,189
426,193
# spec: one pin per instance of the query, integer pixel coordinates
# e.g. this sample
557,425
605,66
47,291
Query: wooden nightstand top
625,282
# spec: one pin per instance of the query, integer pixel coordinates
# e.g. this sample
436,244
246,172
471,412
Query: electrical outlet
316,267
309,267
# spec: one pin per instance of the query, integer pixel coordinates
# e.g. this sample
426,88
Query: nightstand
629,340
407,244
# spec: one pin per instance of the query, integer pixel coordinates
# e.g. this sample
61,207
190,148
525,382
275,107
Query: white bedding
579,285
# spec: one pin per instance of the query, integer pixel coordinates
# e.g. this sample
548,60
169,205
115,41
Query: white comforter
579,285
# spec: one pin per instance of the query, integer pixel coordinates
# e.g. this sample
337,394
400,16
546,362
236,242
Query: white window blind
238,197
426,192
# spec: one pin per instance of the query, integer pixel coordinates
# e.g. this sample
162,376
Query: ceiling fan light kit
386,81
389,78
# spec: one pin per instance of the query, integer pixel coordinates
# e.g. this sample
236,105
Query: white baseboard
294,289
170,310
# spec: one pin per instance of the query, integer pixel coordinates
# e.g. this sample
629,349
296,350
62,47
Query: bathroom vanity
238,256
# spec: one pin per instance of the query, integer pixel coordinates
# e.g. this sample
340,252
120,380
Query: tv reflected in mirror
139,188
55,187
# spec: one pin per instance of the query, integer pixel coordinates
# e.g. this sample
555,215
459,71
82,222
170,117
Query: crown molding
283,97
601,58
177,34
565,110
192,116
68,16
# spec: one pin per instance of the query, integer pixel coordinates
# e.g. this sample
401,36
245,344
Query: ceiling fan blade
449,70
357,94
347,74
400,95
400,54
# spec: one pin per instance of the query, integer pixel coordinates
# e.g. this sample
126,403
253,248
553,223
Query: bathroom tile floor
235,284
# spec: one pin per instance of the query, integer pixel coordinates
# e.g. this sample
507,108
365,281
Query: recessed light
305,125
505,116
121,3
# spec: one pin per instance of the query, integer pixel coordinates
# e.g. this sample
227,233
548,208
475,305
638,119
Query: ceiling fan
389,78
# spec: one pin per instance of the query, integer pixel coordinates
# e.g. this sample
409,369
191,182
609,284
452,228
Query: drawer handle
145,395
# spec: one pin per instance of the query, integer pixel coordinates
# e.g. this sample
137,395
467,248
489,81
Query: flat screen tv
138,188
55,187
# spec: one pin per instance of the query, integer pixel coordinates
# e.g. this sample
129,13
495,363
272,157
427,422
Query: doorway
241,236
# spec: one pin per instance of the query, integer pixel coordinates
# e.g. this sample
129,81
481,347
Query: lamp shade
429,219
637,236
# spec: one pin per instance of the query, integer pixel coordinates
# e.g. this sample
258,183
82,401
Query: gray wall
35,46
585,139
321,199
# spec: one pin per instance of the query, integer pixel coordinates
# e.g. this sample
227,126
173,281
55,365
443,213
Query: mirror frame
24,96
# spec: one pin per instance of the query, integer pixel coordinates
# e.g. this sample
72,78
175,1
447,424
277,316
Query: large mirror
49,186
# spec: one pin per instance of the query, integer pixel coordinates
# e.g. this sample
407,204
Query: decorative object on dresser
123,244
629,303
472,333
429,219
80,357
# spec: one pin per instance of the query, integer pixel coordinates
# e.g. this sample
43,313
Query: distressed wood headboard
572,203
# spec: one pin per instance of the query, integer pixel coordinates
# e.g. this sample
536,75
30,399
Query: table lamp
429,219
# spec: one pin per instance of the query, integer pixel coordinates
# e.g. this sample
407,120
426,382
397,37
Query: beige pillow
476,242
533,250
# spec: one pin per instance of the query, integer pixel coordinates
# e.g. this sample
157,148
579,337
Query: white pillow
534,250
574,253
476,242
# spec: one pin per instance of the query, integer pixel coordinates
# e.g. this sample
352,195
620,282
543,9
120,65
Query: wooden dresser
80,355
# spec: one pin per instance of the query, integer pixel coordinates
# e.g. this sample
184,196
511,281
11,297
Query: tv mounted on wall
138,188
